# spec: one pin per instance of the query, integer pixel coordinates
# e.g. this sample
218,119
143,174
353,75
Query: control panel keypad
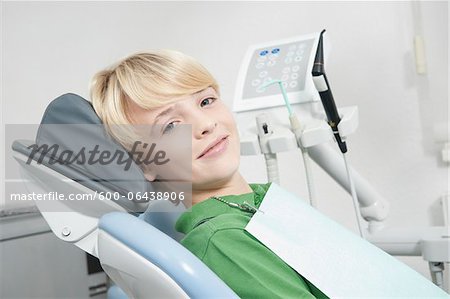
287,62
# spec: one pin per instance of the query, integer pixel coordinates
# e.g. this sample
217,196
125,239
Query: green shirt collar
210,208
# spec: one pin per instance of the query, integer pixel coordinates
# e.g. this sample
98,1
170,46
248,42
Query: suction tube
323,87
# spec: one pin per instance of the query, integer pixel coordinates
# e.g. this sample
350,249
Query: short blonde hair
150,80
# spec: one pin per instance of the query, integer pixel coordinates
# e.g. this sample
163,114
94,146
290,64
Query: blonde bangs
152,80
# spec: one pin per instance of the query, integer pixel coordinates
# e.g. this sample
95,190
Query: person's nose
204,126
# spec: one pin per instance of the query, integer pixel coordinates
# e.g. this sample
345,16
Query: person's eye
207,101
169,127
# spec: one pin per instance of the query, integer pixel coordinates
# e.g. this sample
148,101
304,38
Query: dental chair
135,241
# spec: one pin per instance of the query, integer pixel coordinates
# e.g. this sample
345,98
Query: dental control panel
291,62
288,60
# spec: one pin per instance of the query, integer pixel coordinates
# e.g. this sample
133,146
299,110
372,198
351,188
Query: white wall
51,48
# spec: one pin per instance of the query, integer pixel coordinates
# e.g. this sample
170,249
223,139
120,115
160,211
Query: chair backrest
163,215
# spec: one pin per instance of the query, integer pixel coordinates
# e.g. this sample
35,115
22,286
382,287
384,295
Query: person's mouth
215,148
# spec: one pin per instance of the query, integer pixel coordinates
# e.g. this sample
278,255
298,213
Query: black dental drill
323,87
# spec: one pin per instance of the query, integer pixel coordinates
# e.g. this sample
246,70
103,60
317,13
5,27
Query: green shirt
215,234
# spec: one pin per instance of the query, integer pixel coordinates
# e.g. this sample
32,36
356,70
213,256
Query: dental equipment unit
297,65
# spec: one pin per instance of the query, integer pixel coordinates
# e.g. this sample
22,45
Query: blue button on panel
275,51
265,52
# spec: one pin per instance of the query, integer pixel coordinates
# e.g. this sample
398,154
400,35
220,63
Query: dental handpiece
326,96
323,87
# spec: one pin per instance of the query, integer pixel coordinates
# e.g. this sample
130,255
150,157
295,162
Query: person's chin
213,177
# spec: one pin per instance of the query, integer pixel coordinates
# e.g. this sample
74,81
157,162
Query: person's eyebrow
204,91
171,108
164,112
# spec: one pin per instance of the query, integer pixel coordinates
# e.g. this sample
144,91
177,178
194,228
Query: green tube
283,92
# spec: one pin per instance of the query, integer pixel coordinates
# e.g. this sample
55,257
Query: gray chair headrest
71,123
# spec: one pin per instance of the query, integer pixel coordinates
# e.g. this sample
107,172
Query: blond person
169,89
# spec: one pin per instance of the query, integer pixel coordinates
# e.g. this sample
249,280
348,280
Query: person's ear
150,175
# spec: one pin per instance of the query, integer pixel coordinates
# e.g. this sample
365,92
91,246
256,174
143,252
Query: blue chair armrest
114,292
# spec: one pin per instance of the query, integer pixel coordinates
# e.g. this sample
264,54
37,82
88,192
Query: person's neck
234,186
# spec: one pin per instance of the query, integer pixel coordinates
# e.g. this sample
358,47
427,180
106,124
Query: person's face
215,140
